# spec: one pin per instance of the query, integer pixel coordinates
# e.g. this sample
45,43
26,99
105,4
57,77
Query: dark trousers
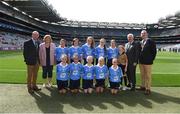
123,79
131,74
47,71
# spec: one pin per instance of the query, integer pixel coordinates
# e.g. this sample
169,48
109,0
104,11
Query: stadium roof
170,21
42,11
38,9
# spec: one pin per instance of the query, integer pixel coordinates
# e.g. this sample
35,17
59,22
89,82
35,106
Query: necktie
36,44
144,42
129,45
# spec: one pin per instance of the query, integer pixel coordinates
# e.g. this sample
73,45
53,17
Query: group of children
100,66
71,74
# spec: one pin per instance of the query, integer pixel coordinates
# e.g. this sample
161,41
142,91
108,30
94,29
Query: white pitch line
162,73
22,70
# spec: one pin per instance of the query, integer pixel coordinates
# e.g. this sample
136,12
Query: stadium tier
21,17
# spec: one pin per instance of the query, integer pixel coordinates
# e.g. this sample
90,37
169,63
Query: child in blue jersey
62,49
100,50
101,72
76,69
112,52
88,48
88,75
62,74
75,49
115,74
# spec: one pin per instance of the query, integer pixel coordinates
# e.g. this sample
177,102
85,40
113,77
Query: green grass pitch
15,98
166,69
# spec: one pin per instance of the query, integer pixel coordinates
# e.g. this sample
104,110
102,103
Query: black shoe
132,89
30,91
129,85
141,88
35,88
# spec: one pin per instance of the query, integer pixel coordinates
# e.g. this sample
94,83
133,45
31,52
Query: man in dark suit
31,58
132,52
147,56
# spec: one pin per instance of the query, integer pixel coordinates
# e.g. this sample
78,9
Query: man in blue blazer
147,56
31,58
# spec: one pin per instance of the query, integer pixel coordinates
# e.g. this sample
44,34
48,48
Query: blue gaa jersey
88,72
112,53
76,71
115,74
59,51
62,72
100,52
87,51
101,72
75,50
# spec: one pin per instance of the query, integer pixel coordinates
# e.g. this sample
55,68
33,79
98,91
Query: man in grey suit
132,52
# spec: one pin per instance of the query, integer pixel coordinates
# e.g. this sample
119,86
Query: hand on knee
90,90
85,91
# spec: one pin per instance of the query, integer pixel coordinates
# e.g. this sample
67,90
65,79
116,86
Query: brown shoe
35,88
147,92
141,88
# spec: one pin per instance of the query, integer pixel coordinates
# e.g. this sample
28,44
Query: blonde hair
103,40
121,46
62,40
63,56
89,57
101,58
47,37
75,55
114,59
113,40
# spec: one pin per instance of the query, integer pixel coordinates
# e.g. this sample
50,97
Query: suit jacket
148,52
132,52
31,53
42,54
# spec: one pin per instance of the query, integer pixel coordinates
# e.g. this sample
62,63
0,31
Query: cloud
123,11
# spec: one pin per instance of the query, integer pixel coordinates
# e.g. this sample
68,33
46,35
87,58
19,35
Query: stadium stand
21,17
11,41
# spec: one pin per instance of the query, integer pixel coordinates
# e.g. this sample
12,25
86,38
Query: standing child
88,75
62,72
88,48
112,52
123,62
75,49
115,74
75,74
101,72
62,49
100,50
